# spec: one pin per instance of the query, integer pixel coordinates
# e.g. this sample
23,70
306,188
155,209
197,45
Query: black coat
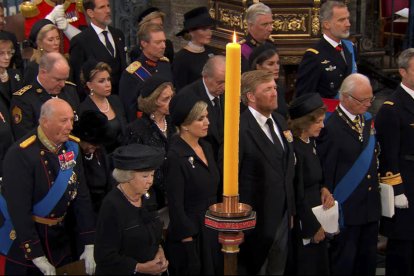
29,172
216,126
7,89
322,70
265,183
395,132
116,105
338,147
86,45
191,190
131,82
26,104
145,131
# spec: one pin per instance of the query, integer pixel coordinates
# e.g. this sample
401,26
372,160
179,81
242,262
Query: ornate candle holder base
230,218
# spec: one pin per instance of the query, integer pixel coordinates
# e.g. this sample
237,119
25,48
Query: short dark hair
88,5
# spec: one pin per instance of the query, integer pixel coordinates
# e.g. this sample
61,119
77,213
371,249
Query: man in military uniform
347,150
324,67
39,9
43,180
151,61
395,131
259,20
50,83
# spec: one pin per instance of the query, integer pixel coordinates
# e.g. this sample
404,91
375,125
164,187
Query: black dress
311,258
187,66
144,131
191,189
125,235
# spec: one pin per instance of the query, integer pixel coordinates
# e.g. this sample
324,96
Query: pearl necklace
164,131
195,48
106,110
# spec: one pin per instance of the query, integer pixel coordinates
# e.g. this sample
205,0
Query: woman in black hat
96,77
192,182
10,82
91,128
128,236
306,114
189,61
155,16
154,127
44,38
266,57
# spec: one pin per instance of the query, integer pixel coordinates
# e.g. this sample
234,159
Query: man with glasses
259,20
324,67
50,83
347,150
395,131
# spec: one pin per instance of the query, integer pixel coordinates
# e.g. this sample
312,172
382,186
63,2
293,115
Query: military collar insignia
325,61
39,90
151,63
330,68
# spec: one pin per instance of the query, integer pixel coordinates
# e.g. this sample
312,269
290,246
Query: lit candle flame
234,37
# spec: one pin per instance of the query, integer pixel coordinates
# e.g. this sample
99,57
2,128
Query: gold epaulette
165,59
74,138
79,5
29,9
389,102
133,67
28,141
71,83
242,41
313,51
22,90
391,179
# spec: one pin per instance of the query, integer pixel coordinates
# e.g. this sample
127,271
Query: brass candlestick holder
230,218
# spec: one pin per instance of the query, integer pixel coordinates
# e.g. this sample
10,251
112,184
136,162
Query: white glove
70,31
401,201
87,255
58,11
61,23
44,266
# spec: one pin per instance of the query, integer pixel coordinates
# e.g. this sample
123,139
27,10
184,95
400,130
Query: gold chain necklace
359,128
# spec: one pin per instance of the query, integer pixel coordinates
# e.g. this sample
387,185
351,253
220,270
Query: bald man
51,82
44,180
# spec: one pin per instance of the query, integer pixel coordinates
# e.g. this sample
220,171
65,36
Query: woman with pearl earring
96,77
154,128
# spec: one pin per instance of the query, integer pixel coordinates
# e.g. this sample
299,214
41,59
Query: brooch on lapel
191,160
288,136
17,77
325,61
372,130
330,68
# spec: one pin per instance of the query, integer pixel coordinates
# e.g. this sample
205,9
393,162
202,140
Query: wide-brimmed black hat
36,29
151,84
92,127
196,18
305,104
138,157
181,105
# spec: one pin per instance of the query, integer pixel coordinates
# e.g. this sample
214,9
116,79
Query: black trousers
354,250
399,258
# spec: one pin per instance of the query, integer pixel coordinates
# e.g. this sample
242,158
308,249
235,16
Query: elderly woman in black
128,236
154,127
307,113
97,79
193,178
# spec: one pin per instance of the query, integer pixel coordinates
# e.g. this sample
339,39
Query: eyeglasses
364,101
8,53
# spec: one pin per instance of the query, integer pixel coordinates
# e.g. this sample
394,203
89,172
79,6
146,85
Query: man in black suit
347,150
210,88
100,42
395,131
324,67
266,168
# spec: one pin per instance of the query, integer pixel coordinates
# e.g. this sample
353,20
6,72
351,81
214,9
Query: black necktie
275,139
217,106
108,43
